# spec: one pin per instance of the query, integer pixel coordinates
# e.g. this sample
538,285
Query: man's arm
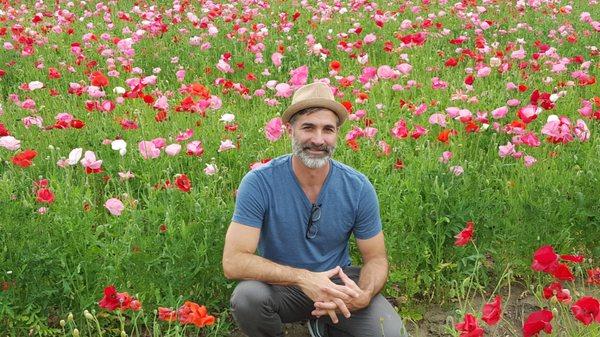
241,262
374,272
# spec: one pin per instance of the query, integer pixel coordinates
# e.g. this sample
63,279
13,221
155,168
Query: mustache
323,148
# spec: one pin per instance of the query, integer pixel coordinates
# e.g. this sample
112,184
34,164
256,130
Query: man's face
314,137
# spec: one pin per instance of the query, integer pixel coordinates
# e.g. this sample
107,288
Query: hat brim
334,106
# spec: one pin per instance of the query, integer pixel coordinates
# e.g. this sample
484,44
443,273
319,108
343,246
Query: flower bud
75,332
123,334
62,323
88,315
70,317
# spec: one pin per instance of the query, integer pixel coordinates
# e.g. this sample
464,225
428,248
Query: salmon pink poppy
167,314
193,313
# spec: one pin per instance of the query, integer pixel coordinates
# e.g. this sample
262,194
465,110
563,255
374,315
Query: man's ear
288,128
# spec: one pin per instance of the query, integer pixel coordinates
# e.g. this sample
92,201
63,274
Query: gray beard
301,151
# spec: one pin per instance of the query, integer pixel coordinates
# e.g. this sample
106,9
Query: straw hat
317,94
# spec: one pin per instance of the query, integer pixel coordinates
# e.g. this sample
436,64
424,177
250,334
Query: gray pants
260,309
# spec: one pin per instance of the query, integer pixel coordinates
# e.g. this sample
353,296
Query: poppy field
126,127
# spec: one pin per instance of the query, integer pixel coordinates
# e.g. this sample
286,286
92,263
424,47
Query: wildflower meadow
126,127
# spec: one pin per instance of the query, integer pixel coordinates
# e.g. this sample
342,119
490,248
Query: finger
332,272
347,280
342,306
330,305
333,316
332,292
318,312
342,291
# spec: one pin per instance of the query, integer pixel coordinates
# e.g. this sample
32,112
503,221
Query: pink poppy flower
28,104
299,76
386,72
161,103
210,169
195,148
404,68
499,112
581,131
484,72
187,134
400,129
90,162
529,161
506,150
173,149
283,90
457,170
370,132
439,119
10,143
148,150
274,129
114,206
226,144
29,121
159,142
530,139
370,38
445,157
276,59
385,148
180,74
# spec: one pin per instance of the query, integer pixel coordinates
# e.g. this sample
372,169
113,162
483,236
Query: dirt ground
516,305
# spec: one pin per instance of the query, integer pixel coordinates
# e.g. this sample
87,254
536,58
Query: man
299,210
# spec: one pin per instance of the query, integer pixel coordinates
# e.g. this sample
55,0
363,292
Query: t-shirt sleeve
249,203
368,219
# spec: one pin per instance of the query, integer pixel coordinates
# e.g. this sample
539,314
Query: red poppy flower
555,289
572,258
335,65
3,130
399,164
469,80
98,79
587,310
451,62
77,124
113,300
545,259
348,106
563,273
465,235
183,183
109,301
24,159
192,313
594,276
469,327
492,311
44,195
536,322
444,136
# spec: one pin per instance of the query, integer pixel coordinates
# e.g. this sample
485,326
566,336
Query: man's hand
319,288
351,304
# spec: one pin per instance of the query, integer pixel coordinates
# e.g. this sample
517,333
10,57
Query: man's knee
250,296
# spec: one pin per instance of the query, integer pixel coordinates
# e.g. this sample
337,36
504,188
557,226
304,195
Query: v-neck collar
301,191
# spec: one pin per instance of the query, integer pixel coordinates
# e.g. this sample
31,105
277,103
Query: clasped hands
331,298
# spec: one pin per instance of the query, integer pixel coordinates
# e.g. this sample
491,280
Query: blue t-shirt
270,198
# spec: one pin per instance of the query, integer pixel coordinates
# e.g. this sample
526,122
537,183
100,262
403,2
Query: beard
310,160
